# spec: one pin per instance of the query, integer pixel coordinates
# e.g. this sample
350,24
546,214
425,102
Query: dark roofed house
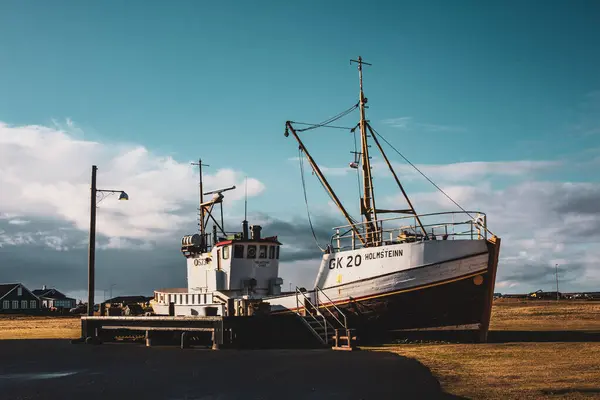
52,298
16,297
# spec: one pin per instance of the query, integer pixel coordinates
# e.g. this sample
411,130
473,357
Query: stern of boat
493,245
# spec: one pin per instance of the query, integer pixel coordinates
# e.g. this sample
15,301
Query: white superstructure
222,268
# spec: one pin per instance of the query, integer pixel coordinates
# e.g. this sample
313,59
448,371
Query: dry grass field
565,370
34,327
543,315
533,370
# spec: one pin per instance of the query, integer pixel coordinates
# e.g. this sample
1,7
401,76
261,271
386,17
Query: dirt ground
566,369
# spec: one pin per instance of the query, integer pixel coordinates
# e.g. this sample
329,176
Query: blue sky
451,82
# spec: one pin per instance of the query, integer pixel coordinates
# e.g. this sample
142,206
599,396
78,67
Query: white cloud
454,172
20,238
541,224
465,171
45,172
18,222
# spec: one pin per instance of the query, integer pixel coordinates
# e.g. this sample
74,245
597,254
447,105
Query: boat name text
355,261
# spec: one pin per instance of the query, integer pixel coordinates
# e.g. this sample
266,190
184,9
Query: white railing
450,225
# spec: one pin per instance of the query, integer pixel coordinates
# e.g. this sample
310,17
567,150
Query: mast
202,228
368,201
245,222
372,231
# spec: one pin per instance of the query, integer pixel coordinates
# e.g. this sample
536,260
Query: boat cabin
237,266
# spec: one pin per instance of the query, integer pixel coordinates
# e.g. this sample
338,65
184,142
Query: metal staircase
330,329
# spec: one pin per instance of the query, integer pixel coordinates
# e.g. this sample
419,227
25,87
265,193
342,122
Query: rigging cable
312,229
425,176
329,120
317,126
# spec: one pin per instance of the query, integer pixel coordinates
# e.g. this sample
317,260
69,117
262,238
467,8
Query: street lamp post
92,244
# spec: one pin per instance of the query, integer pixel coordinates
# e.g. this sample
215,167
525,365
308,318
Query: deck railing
452,225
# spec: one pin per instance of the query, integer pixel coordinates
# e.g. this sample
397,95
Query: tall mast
202,228
368,200
246,198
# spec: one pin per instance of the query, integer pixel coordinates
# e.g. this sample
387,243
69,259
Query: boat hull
456,302
452,293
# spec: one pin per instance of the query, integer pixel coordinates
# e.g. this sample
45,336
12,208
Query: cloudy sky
498,103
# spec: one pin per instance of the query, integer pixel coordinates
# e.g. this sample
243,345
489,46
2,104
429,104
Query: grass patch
512,370
36,327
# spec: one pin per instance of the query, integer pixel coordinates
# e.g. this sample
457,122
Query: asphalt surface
57,369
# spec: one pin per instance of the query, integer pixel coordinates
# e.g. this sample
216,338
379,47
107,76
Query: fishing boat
396,269
393,269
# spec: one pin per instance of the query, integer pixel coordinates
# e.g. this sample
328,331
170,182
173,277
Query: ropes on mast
323,124
328,121
312,229
425,176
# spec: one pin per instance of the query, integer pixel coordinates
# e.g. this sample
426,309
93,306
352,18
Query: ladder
330,329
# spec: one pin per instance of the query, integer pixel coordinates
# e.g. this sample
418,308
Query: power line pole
557,296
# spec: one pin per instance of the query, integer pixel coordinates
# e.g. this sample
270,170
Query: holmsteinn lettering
384,254
349,261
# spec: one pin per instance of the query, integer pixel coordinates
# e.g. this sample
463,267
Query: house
52,298
16,297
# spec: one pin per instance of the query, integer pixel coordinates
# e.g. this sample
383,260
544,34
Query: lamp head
123,196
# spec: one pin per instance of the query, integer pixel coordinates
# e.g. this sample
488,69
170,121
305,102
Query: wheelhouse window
225,252
277,256
238,251
262,251
251,251
271,252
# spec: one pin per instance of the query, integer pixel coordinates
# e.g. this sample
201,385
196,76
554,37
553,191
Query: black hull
460,302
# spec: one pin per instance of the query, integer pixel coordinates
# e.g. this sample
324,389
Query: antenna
246,199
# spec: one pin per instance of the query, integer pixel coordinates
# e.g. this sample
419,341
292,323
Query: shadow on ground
493,336
51,369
